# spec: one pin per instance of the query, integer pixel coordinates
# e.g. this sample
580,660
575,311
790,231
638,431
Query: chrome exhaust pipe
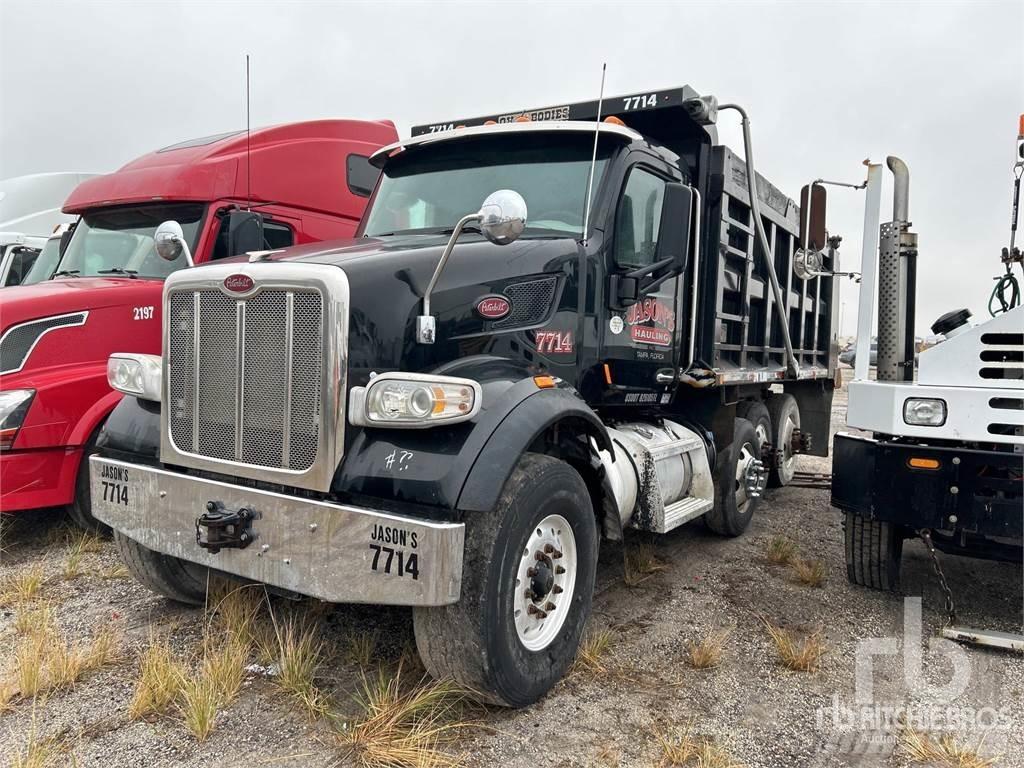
897,279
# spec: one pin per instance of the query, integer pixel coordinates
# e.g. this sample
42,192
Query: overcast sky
87,86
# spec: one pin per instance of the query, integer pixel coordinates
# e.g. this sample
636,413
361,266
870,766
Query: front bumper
334,552
972,492
32,479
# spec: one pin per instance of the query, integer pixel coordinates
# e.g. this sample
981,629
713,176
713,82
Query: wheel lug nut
548,548
531,572
559,569
532,609
555,555
557,589
549,606
538,555
528,594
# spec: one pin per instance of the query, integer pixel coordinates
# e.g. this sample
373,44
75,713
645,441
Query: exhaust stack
897,281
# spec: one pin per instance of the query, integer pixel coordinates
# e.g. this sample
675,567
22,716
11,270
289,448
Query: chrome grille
244,376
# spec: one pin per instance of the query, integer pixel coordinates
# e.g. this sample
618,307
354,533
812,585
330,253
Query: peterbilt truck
454,409
943,454
214,196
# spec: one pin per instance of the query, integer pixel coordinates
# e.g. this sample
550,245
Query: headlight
138,375
413,400
924,412
13,406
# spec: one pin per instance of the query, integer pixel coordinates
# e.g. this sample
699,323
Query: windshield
45,263
119,241
432,188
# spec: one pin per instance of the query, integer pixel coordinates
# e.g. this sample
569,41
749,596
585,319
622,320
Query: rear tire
757,414
785,418
873,552
734,508
168,576
490,641
80,508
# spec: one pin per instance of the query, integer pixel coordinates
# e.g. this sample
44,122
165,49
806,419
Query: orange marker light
523,119
1020,129
490,122
607,374
614,120
918,463
544,382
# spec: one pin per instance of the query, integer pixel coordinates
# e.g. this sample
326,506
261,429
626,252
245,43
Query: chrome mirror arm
426,325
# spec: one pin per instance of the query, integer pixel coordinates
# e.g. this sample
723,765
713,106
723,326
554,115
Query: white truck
945,459
30,212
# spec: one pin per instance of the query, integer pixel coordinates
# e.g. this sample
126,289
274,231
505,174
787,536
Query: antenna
593,157
248,150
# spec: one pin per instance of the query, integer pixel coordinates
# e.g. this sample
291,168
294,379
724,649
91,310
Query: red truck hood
61,296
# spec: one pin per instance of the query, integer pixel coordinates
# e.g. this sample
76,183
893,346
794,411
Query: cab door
643,332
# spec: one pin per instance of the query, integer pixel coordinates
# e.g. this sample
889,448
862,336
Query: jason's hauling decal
651,322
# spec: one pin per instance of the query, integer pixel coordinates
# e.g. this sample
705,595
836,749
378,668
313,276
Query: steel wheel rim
788,457
746,456
545,583
762,434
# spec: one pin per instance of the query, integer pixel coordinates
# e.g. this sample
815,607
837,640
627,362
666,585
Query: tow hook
222,528
800,441
755,478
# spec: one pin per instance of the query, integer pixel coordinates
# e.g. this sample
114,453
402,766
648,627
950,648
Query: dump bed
739,334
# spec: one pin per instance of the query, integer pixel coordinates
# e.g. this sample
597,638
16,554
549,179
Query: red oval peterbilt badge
238,283
493,307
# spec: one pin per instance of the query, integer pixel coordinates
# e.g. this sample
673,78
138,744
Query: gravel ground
762,713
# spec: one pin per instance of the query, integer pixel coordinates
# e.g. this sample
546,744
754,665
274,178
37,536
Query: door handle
665,376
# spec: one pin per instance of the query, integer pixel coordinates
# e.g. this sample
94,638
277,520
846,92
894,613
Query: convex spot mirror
169,241
503,216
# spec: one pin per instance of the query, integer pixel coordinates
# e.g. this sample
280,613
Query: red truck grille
244,376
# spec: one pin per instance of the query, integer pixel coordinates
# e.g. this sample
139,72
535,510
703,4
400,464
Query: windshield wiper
66,273
118,271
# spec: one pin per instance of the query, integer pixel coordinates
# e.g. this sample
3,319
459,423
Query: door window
638,218
275,236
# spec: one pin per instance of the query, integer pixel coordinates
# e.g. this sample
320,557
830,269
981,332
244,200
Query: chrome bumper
333,552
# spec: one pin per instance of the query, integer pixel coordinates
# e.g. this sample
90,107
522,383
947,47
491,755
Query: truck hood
388,276
21,303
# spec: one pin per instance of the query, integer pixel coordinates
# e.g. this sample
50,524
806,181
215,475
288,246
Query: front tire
171,577
528,580
874,550
80,509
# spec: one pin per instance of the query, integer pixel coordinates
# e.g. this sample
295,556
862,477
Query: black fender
464,466
132,428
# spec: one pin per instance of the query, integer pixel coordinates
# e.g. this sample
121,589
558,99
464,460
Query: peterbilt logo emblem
493,307
238,283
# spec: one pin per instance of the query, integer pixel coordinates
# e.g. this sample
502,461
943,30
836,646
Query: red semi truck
221,195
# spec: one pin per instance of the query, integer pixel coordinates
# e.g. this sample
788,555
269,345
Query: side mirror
245,232
169,241
65,238
674,228
812,217
503,216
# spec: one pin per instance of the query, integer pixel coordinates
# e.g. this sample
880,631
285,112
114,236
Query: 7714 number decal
394,560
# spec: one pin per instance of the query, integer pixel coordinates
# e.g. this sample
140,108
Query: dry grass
406,727
781,550
115,571
34,619
641,563
593,648
21,587
44,661
608,754
36,752
810,573
160,680
692,751
224,665
242,614
707,652
360,648
942,751
200,702
79,543
299,655
799,654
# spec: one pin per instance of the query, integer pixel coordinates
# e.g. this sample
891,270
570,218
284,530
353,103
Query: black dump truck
454,409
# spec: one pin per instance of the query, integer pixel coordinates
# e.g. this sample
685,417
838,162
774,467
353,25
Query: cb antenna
593,157
248,149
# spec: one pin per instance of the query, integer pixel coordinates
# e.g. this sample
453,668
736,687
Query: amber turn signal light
918,463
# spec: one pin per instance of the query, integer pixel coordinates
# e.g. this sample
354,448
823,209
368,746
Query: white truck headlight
924,412
14,405
413,400
134,374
